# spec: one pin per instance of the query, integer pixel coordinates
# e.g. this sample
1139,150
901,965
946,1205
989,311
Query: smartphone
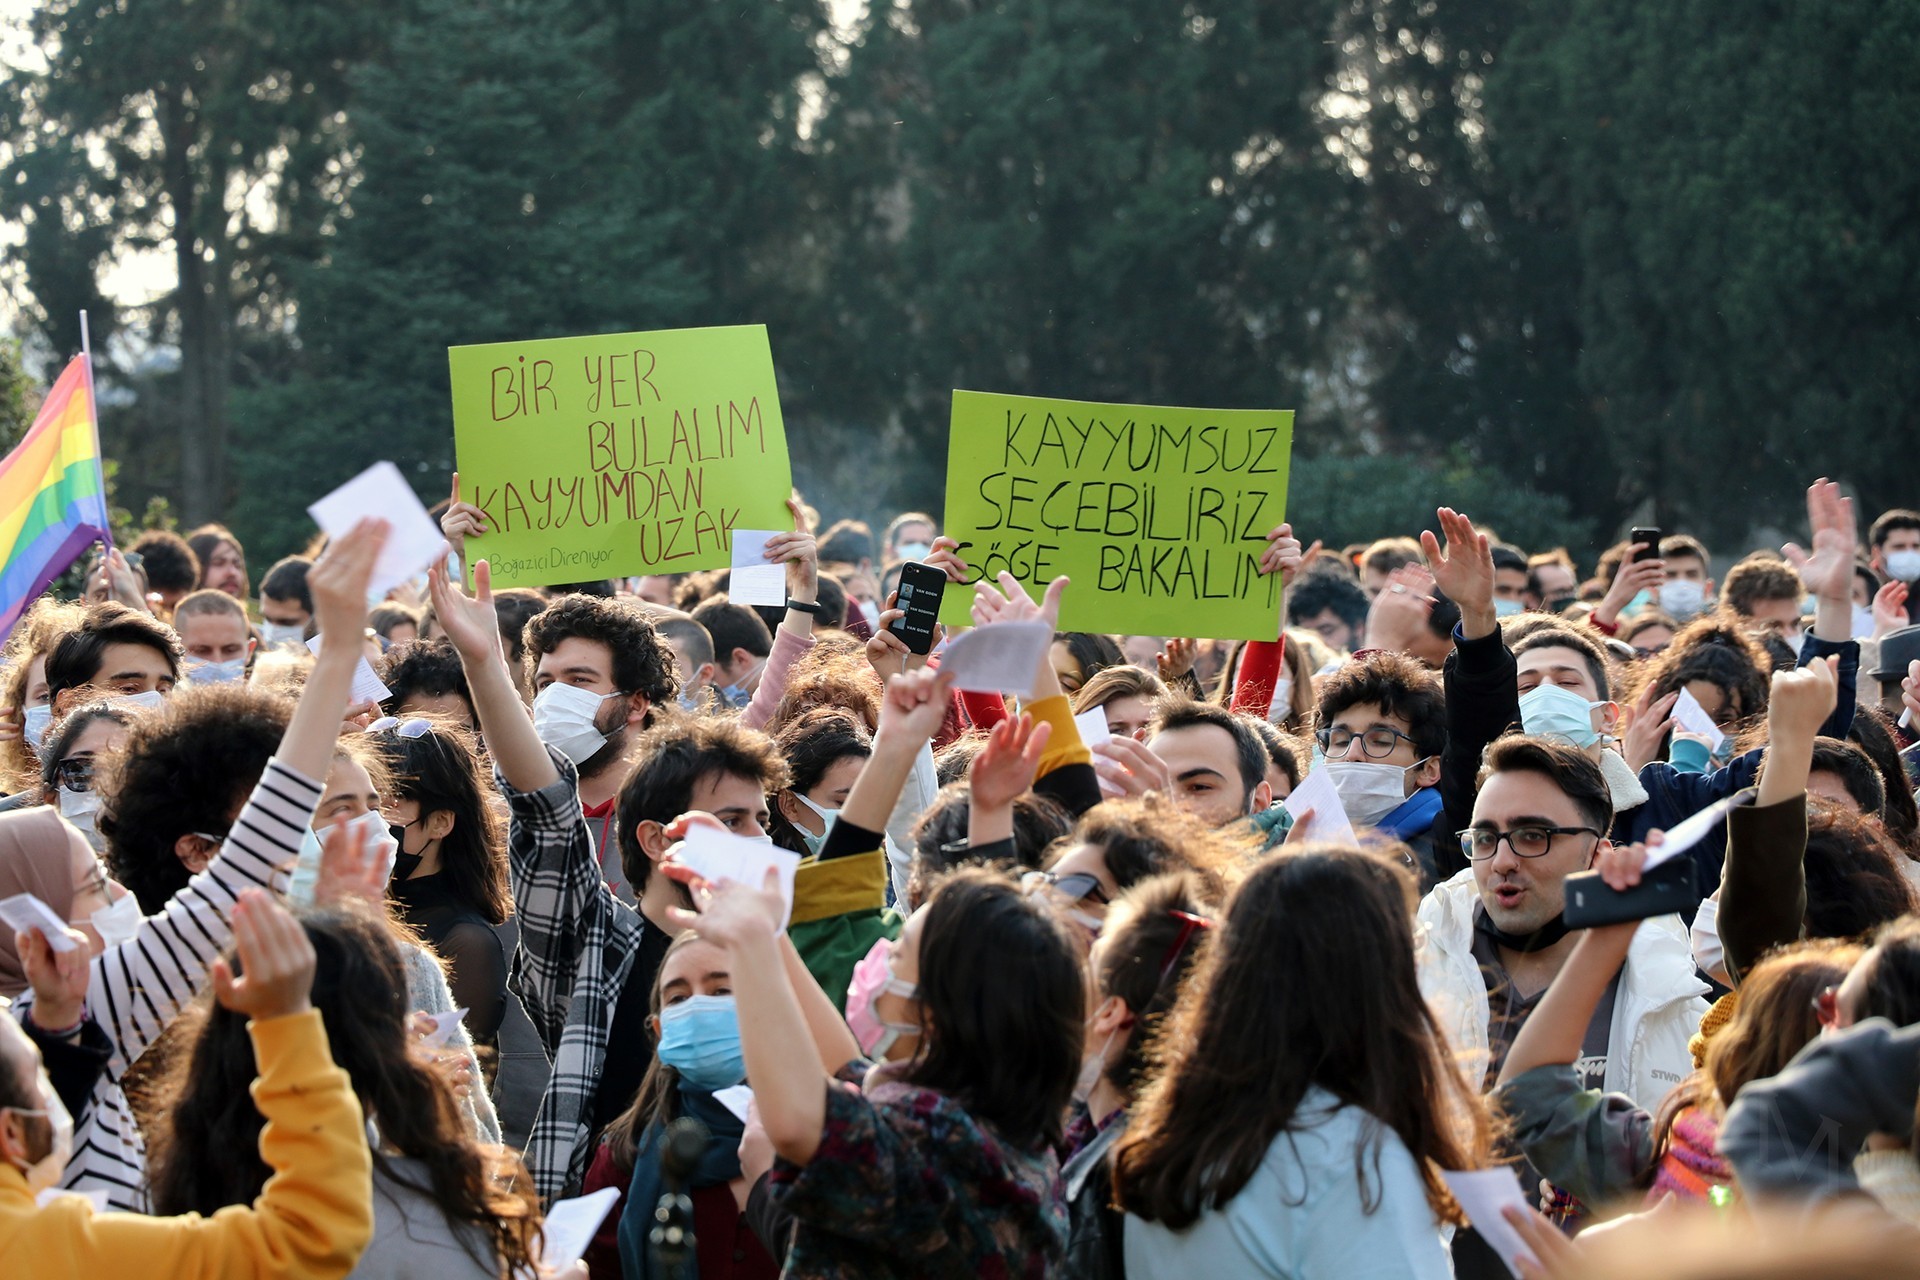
921,587
1666,889
1651,537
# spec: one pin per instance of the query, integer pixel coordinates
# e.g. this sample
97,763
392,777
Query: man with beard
597,669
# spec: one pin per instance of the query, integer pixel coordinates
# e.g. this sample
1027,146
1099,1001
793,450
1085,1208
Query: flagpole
93,417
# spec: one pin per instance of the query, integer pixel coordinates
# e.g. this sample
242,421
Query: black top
629,1041
476,962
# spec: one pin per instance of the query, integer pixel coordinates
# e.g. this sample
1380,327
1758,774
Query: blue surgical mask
1862,622
35,725
1507,608
151,700
700,1038
1553,712
828,816
206,671
78,808
1903,566
915,550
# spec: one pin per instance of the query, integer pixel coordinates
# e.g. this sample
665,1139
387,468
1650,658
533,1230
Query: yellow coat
312,1219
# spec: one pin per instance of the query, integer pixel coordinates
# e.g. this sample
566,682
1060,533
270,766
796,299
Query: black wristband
804,606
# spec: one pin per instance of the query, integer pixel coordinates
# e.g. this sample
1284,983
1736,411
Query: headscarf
37,856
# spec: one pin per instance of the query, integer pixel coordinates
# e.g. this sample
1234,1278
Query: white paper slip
23,911
1688,832
413,542
1002,658
1093,727
445,1027
1691,716
721,855
570,1226
752,579
735,1098
366,682
1330,822
1482,1194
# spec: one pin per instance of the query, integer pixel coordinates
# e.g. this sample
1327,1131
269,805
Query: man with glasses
1492,939
1382,728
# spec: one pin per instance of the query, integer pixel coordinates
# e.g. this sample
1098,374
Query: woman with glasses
67,759
1118,844
450,871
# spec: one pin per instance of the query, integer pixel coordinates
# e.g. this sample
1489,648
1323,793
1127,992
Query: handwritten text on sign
618,454
1159,515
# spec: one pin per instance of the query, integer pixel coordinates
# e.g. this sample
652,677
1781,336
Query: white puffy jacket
1657,1009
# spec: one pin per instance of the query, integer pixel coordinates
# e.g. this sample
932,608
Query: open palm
1828,570
468,620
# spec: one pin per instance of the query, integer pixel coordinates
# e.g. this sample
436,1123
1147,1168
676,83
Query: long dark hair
1007,1052
440,770
812,743
1154,934
207,1154
1308,981
657,1100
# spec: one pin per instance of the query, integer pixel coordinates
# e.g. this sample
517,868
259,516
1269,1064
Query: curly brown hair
642,661
1717,649
207,1155
33,638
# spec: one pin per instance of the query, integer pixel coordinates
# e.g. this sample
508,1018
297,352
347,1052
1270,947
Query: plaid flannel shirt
576,949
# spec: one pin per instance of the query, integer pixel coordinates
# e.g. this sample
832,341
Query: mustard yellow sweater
312,1219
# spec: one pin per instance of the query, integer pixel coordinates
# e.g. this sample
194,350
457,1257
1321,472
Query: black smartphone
1651,537
1666,889
921,587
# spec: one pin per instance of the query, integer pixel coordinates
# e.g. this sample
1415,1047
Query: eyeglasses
1530,840
1377,743
1189,924
404,728
75,773
1074,888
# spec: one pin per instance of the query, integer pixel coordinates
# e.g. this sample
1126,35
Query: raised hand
914,707
1801,700
1399,613
1176,660
1828,571
1463,569
887,653
1011,603
462,520
801,553
729,914
471,625
1889,609
116,580
1647,728
1284,556
1634,577
58,978
1005,767
339,579
276,961
945,557
349,869
1128,768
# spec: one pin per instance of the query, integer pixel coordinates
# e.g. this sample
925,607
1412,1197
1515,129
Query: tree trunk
202,304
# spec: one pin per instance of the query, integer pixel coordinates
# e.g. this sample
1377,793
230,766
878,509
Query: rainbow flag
53,498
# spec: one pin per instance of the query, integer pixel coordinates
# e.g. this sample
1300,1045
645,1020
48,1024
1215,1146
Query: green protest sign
618,454
1159,515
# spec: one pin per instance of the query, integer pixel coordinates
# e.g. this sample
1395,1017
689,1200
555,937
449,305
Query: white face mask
45,1172
1682,599
371,826
1282,700
1794,638
207,671
1370,791
870,610
563,716
35,725
915,550
78,807
1862,622
117,922
151,700
273,634
1903,566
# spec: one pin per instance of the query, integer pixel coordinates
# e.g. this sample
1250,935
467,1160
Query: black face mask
404,863
1539,940
1560,604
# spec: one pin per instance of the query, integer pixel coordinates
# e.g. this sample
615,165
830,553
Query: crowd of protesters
367,989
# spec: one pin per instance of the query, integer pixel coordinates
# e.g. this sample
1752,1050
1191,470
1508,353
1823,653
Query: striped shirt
140,986
575,951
